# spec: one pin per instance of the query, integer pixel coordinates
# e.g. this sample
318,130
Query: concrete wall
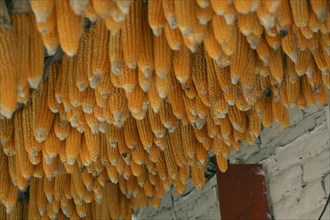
296,161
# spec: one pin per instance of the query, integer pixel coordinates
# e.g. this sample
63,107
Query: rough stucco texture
296,163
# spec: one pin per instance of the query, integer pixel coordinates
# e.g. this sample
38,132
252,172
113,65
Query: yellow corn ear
156,124
146,58
263,51
211,45
144,81
26,168
222,163
175,98
116,52
199,75
300,13
8,72
93,144
204,14
52,145
289,46
22,34
52,77
40,111
35,74
119,106
101,63
131,133
273,41
9,147
174,37
6,130
72,144
243,52
276,66
156,16
169,12
307,91
166,115
11,198
88,102
155,100
139,155
198,176
304,58
185,14
163,85
243,7
181,61
42,9
175,142
171,166
225,37
132,35
145,133
162,56
67,19
49,34
5,180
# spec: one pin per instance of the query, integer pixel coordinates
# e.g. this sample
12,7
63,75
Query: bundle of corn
138,113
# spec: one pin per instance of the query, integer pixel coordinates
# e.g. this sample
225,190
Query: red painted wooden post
242,192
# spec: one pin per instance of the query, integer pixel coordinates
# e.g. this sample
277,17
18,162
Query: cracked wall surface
296,163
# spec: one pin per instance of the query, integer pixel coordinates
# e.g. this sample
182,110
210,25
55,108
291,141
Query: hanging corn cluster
145,92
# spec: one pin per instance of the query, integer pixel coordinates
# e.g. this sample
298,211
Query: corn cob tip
7,113
34,82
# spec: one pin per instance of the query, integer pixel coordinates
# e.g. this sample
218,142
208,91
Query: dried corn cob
51,146
182,60
35,72
185,15
156,16
72,145
92,143
118,105
8,72
204,13
116,52
174,37
199,75
300,13
276,67
61,128
198,177
222,163
243,7
132,35
67,19
162,56
22,34
79,7
11,198
171,166
100,64
41,111
139,155
169,12
289,46
243,52
145,133
42,9
155,100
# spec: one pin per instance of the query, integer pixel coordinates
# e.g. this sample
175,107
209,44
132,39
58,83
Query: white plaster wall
296,161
